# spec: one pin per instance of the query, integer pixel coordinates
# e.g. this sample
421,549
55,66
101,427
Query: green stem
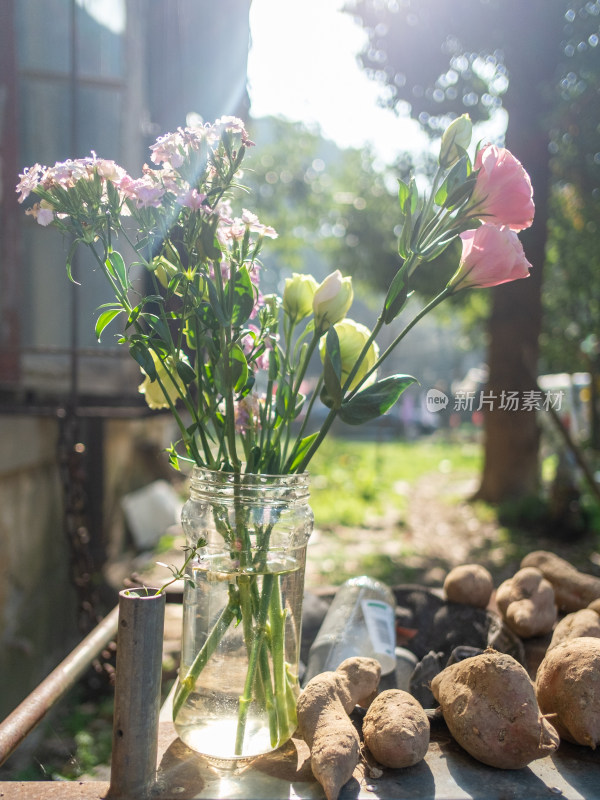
277,616
425,310
257,644
186,685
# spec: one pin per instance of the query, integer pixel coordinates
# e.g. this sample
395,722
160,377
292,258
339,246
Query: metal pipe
32,710
137,693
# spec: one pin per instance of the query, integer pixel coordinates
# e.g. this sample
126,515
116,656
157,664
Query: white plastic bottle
359,622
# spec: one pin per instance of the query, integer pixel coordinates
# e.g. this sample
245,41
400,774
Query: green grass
353,482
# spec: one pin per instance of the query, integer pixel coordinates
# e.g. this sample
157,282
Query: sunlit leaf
116,266
105,319
141,354
375,400
240,297
300,451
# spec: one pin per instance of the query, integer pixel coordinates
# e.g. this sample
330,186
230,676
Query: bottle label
379,618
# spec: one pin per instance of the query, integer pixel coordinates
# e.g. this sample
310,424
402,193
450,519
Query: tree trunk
512,436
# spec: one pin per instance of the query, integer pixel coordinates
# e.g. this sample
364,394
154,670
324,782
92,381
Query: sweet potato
489,705
323,721
595,605
526,602
573,589
568,685
470,584
396,729
585,622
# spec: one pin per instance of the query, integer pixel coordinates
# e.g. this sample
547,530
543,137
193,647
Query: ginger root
323,721
526,602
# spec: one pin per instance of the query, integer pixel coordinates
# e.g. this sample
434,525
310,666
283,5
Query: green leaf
210,244
300,450
403,194
396,297
405,237
116,266
185,372
231,375
273,364
461,193
240,297
105,319
458,174
134,314
332,367
410,205
158,325
70,262
375,400
141,354
239,367
215,304
283,399
114,198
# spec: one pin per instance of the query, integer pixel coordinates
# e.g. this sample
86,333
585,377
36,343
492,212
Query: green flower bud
332,300
298,296
456,139
352,337
163,269
152,390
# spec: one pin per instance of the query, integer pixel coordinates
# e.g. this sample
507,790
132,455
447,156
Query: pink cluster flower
247,413
503,194
30,179
42,214
251,221
146,191
235,125
193,199
169,149
491,255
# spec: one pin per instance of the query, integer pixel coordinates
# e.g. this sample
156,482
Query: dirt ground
440,529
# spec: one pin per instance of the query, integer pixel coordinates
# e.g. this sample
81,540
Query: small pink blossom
503,194
31,177
253,223
234,125
193,199
491,255
247,413
168,149
145,191
109,170
45,216
42,214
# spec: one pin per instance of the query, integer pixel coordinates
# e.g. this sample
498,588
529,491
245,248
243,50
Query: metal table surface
447,773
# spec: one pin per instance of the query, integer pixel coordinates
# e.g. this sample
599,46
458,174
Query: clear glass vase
238,679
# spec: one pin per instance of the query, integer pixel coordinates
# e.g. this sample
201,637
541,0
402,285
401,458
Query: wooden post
137,693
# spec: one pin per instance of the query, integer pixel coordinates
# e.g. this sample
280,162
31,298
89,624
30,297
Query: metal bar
32,710
137,693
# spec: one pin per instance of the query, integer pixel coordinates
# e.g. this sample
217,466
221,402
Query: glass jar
238,679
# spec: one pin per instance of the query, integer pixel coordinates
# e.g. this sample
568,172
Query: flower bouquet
231,365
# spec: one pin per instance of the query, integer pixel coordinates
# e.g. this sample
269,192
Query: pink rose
491,255
503,194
